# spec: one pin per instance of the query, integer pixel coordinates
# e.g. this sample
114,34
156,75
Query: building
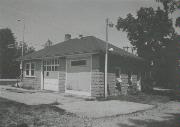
77,66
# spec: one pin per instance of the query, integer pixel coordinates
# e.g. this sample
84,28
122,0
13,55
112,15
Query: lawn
141,98
13,114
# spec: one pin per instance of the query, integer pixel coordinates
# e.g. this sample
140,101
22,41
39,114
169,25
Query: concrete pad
73,104
98,109
34,98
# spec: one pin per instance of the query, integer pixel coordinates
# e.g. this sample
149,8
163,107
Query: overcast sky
52,19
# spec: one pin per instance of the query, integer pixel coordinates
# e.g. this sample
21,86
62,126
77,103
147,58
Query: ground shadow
174,121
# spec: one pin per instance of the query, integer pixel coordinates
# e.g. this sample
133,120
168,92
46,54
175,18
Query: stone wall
124,84
97,84
112,89
97,81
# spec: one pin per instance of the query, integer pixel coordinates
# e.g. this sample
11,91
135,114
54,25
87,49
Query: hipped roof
89,44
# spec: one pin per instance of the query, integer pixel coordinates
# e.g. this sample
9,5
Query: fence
7,76
8,81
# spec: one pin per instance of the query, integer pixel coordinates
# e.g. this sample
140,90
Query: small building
77,66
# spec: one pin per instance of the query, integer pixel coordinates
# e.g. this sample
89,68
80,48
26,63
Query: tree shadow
173,121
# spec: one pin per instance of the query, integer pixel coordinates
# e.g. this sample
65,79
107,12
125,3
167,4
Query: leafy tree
171,6
7,55
9,52
178,22
152,33
48,43
149,31
26,49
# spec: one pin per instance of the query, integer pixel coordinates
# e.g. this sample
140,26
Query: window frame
30,69
86,60
51,64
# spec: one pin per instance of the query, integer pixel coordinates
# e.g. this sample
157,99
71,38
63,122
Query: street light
106,56
22,48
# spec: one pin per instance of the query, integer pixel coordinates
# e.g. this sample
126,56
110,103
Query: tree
48,43
178,22
26,49
152,33
9,52
149,31
7,55
171,6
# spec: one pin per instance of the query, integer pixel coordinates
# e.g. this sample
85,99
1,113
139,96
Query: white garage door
51,81
79,81
79,75
51,84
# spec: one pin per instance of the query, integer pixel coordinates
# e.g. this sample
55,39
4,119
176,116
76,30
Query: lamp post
22,48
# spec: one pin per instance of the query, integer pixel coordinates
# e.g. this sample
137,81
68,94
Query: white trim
91,76
66,76
58,81
42,80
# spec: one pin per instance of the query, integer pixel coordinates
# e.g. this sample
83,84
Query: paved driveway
77,105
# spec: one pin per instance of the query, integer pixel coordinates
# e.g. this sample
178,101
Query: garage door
51,84
78,75
51,81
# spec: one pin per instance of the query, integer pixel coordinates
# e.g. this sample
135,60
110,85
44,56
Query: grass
13,114
140,98
173,122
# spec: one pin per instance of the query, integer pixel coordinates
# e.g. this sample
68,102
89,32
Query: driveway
73,104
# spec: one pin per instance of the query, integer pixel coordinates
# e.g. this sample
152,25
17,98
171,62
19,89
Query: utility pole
106,60
22,47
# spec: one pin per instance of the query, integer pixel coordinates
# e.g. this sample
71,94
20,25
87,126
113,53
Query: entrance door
79,75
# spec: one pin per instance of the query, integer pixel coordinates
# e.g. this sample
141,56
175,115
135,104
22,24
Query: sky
52,19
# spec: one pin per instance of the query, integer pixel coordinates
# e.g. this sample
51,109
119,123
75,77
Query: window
29,69
51,64
78,63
